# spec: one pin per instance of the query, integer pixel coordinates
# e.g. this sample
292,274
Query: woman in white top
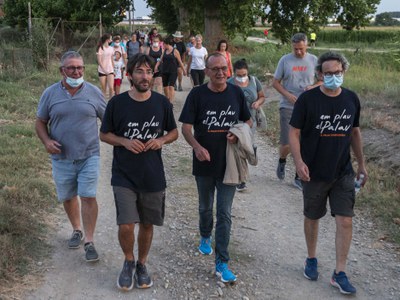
105,60
197,62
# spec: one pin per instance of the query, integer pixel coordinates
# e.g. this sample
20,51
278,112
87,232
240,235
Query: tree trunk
184,21
213,27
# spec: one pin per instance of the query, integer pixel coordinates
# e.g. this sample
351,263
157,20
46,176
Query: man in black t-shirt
134,123
180,46
211,109
324,126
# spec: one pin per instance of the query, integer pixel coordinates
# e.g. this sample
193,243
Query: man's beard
140,88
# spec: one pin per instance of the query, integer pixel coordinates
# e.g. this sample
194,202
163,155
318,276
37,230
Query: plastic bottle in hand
358,182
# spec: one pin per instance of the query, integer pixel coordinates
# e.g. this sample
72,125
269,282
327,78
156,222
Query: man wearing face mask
66,124
324,126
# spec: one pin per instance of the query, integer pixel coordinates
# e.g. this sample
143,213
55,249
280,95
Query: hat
177,34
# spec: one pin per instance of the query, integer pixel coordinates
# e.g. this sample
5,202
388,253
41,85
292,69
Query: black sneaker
280,170
241,187
75,240
125,279
91,253
142,278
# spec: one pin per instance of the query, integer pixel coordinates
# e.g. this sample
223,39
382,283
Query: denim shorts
135,207
76,177
341,196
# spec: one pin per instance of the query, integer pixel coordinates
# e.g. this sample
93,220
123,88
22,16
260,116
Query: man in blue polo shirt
67,126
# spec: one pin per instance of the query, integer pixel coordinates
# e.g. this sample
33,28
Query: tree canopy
16,11
285,16
386,19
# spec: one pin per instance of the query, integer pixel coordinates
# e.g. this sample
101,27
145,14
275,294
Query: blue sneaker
342,283
221,270
205,246
311,269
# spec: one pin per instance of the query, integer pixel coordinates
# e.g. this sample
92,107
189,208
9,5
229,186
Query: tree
385,19
355,13
16,11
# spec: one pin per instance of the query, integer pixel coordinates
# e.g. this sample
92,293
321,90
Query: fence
16,59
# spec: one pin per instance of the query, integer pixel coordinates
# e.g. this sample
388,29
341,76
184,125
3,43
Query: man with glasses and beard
325,124
210,110
134,123
67,126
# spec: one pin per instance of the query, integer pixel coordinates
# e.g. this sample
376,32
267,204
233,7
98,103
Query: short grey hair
299,37
68,55
327,56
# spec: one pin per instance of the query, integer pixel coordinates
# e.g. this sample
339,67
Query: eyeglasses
73,69
216,69
337,73
143,72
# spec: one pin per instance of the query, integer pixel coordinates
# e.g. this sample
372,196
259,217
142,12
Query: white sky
385,6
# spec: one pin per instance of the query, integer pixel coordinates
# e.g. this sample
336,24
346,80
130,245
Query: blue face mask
72,82
333,82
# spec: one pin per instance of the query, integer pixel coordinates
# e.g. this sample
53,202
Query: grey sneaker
280,170
142,278
125,279
75,240
297,183
91,253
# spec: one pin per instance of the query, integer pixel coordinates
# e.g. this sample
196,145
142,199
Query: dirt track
267,244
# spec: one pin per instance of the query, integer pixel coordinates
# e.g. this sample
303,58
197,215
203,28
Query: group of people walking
319,125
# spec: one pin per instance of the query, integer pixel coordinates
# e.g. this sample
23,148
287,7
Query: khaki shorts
133,207
341,196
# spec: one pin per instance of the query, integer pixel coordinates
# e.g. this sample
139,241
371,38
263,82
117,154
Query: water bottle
357,183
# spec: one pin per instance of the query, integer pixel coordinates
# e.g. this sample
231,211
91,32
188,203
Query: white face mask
156,44
242,79
116,44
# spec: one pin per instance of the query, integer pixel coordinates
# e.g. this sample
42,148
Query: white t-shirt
118,66
198,58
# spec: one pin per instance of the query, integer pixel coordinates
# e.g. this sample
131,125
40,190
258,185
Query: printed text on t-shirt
336,127
142,131
299,68
215,120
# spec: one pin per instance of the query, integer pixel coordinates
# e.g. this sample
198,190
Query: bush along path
267,243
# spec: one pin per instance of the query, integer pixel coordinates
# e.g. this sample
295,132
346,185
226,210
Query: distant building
145,20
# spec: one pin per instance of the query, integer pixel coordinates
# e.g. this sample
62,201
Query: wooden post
63,34
100,26
29,21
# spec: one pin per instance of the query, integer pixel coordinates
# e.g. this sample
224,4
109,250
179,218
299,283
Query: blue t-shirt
72,120
326,125
212,114
126,117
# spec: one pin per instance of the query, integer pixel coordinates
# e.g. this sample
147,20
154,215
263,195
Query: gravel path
267,243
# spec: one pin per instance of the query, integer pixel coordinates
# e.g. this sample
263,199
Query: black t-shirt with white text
212,114
125,117
326,125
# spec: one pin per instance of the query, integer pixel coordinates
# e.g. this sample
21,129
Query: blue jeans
225,193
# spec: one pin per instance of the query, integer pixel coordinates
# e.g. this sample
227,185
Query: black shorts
169,79
102,75
341,196
144,208
198,77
